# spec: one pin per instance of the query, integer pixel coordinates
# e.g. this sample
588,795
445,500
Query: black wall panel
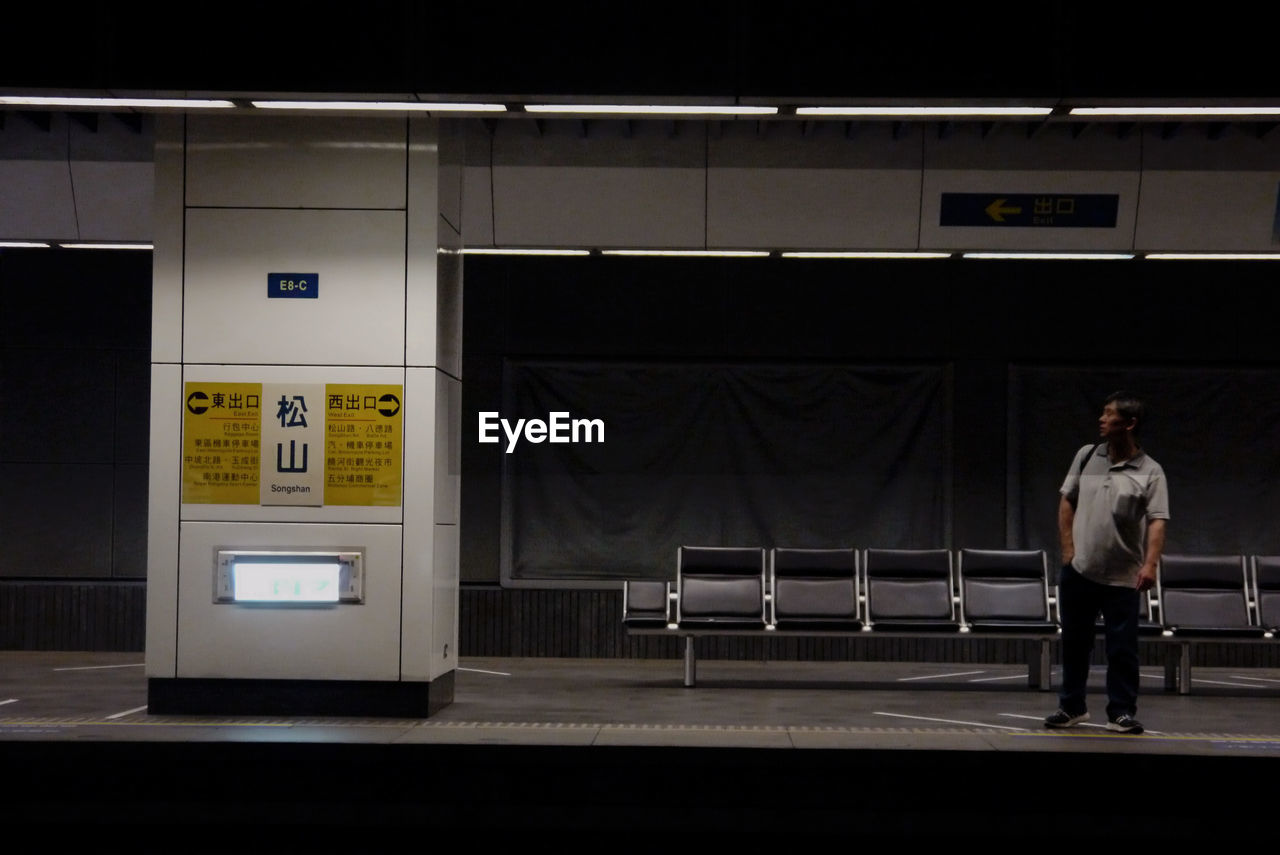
1177,328
75,379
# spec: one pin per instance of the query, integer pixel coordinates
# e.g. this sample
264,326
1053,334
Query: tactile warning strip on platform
142,720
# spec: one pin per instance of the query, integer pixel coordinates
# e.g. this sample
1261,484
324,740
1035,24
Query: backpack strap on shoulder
1085,461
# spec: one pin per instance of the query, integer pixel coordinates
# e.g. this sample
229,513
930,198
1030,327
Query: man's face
1111,424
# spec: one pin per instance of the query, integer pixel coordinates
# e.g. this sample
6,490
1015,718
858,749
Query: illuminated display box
288,577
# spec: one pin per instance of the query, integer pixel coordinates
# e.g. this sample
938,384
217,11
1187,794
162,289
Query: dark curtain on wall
1215,431
721,455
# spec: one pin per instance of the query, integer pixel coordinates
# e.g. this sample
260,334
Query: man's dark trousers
1079,601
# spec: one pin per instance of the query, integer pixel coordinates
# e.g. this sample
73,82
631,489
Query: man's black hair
1129,406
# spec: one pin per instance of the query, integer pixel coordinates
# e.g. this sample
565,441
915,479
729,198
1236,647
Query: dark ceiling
1048,49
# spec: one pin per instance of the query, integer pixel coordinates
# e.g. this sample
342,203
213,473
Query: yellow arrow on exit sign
997,209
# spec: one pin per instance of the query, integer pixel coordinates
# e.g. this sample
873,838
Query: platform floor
898,749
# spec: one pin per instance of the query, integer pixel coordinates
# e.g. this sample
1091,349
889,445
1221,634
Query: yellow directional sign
221,423
363,444
225,424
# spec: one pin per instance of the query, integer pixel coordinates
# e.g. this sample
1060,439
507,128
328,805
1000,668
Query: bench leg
1040,668
690,662
1036,668
1184,669
1170,671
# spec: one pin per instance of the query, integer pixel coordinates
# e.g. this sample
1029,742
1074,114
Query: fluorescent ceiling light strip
924,111
114,103
1214,256
1058,256
1147,112
22,244
519,251
391,106
690,253
866,255
651,109
106,246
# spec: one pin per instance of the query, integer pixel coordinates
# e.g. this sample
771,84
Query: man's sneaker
1062,718
1125,724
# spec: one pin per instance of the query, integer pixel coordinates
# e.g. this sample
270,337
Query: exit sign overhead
1034,210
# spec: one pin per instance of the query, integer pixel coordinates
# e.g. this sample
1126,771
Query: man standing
1111,521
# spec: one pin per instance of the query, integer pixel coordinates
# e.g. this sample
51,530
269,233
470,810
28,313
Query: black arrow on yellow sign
390,405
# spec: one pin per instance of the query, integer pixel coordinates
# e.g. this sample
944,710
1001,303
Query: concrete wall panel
36,200
296,162
358,318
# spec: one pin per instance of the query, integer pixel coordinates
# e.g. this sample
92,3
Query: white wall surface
1212,211
164,492
565,189
1216,195
113,200
780,185
340,642
168,219
358,318
818,188
83,178
36,200
296,162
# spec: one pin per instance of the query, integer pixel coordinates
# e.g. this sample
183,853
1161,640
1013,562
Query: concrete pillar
306,397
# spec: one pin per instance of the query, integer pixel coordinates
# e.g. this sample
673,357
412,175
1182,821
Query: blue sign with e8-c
293,285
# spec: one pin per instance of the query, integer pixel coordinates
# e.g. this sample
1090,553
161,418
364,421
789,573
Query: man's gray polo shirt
1113,502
